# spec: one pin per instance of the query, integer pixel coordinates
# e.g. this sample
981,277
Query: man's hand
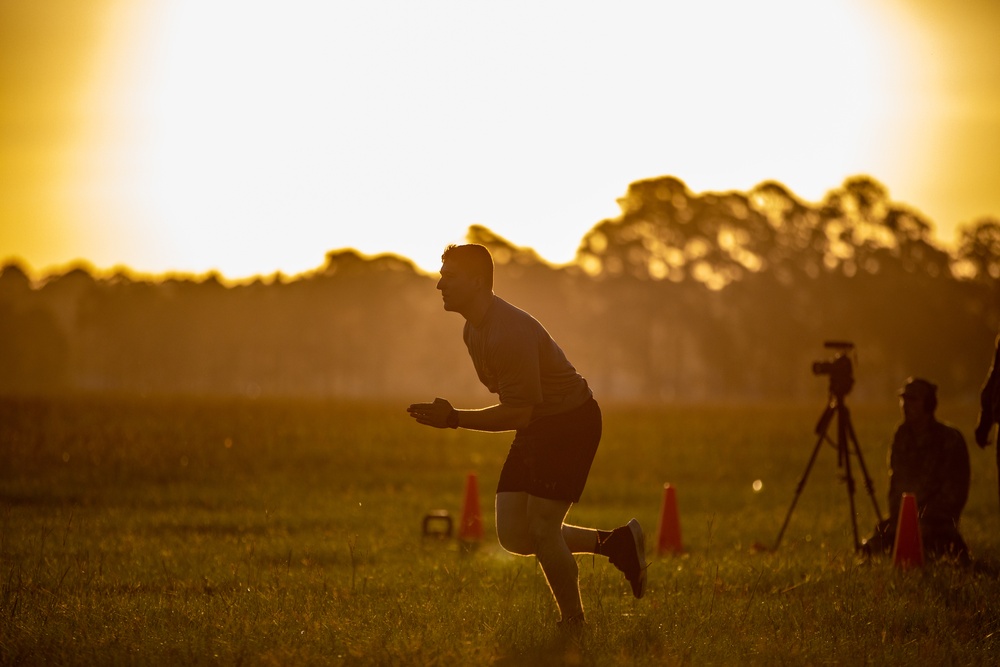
432,414
983,431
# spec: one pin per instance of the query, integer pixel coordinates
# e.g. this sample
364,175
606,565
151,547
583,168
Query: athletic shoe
626,549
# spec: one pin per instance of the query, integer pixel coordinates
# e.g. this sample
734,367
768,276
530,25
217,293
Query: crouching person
930,460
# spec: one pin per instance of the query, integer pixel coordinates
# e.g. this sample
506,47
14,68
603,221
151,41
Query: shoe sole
640,552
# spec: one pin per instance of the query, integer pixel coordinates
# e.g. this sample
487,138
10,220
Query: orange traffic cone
670,525
471,527
908,550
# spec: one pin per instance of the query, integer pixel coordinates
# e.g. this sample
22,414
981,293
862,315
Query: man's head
918,398
466,274
473,258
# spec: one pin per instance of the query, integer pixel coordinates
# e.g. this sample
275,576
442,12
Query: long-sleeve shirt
932,464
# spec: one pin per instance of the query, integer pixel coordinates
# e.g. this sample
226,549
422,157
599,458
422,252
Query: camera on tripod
840,369
841,372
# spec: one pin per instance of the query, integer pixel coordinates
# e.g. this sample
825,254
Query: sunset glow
251,138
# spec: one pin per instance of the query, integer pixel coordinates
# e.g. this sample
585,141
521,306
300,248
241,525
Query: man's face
914,408
458,286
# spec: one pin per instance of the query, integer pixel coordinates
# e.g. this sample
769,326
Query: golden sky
251,137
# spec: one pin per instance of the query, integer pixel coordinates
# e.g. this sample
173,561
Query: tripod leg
821,431
843,424
864,470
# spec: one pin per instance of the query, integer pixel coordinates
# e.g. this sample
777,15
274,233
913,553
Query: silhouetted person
989,404
930,460
558,428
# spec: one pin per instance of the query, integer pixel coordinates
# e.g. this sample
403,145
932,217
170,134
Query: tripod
845,439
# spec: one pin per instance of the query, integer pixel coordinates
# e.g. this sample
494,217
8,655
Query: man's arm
500,417
987,399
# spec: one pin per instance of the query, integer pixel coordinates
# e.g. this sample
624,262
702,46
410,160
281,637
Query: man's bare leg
545,523
512,528
514,531
531,526
580,540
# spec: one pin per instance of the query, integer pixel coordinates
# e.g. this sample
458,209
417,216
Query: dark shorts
551,457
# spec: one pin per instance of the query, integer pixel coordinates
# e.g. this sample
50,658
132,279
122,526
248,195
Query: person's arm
500,417
987,399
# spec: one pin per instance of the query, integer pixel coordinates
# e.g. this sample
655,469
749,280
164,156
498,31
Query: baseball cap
918,388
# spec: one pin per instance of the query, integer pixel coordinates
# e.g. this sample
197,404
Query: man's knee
525,539
543,530
515,539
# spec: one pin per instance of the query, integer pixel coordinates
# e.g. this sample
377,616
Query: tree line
682,297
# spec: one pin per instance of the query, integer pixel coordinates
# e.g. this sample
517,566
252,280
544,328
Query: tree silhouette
682,297
978,252
870,233
666,232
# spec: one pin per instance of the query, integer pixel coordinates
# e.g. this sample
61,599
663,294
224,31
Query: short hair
473,257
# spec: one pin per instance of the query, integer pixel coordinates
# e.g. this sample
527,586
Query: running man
557,425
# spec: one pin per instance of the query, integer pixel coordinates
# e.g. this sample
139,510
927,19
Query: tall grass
150,531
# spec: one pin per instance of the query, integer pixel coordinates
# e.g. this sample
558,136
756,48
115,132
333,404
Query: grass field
141,531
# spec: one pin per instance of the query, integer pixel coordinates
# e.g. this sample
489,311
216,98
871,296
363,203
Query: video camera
841,372
840,369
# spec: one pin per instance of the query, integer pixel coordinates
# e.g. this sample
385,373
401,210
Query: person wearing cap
989,403
930,460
